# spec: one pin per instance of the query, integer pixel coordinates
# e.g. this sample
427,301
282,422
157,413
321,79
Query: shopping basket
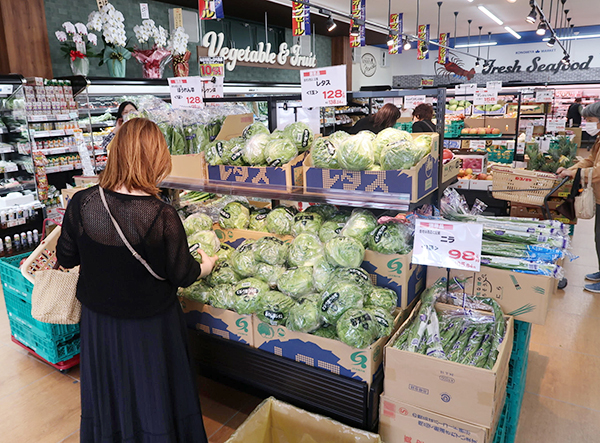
522,186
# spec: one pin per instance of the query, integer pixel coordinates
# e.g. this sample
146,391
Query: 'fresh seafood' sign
536,66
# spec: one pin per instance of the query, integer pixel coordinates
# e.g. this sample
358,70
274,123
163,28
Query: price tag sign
6,89
485,97
213,87
544,145
494,86
520,148
466,88
84,153
556,125
186,92
448,244
211,66
528,133
323,87
544,95
412,101
477,145
144,11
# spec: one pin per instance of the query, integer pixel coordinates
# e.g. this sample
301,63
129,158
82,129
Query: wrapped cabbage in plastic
222,274
345,252
304,250
386,137
254,150
322,273
341,217
357,328
273,307
247,292
222,296
383,298
354,275
234,215
324,155
384,319
326,211
391,238
356,152
326,332
271,250
296,282
398,155
306,222
423,145
330,229
205,240
214,152
360,224
258,220
243,261
197,222
233,152
338,298
280,220
198,291
224,252
300,134
305,315
279,151
269,274
338,137
254,129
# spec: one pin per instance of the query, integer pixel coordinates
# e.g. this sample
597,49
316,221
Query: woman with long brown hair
137,383
386,117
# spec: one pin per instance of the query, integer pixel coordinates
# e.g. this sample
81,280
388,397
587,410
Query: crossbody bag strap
120,232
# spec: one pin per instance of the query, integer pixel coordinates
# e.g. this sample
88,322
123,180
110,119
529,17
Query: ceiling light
513,32
551,41
576,37
407,44
566,60
532,17
355,31
541,29
424,48
511,1
477,63
477,44
490,15
331,25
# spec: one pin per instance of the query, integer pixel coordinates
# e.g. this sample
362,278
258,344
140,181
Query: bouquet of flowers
110,22
181,56
153,58
76,43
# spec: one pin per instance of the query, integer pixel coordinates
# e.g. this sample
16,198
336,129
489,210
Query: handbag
585,203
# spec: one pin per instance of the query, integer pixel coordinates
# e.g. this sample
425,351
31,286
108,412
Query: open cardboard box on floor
464,392
525,296
450,169
222,322
274,421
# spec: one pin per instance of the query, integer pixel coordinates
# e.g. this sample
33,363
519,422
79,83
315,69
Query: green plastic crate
11,276
453,128
404,127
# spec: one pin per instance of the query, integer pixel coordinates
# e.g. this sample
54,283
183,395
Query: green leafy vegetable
243,260
296,282
222,274
254,129
306,222
345,252
234,215
338,298
304,250
357,328
300,134
271,250
199,291
360,225
280,151
258,220
197,222
280,220
330,229
356,152
273,307
205,240
305,316
390,238
254,150
247,293
384,320
382,297
222,297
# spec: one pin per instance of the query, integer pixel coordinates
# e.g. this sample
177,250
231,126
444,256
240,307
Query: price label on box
186,92
477,145
520,148
544,95
324,87
485,97
528,132
448,244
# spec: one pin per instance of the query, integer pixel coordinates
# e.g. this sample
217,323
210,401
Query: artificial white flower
69,27
61,36
81,29
77,38
93,39
95,21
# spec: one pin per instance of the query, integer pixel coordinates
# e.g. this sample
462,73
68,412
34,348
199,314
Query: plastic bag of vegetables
305,315
233,152
247,293
234,215
224,252
326,211
322,273
330,229
222,297
269,274
305,250
254,150
354,275
280,220
243,260
361,223
391,238
357,328
398,155
273,307
197,222
296,282
306,222
327,331
205,240
271,250
214,152
300,134
338,298
345,252
279,151
199,291
258,220
385,320
222,274
387,137
383,298
254,129
356,152
324,154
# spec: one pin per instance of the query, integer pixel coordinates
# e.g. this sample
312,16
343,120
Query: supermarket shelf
535,115
6,150
479,137
52,118
53,133
62,168
22,187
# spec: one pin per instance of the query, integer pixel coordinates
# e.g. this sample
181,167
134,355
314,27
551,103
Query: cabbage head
222,297
360,224
384,319
205,240
338,298
338,137
304,250
243,260
258,220
279,151
326,332
280,220
386,137
233,152
197,222
214,152
254,150
356,152
345,252
271,250
306,222
296,282
341,217
423,145
300,134
324,155
326,211
222,274
273,307
305,316
357,328
234,215
269,274
398,155
383,298
199,291
224,252
354,275
330,229
322,273
254,129
391,238
247,292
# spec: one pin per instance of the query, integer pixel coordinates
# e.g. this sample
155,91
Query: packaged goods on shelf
503,125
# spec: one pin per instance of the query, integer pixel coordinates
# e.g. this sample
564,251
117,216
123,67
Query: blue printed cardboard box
396,272
409,185
320,352
222,322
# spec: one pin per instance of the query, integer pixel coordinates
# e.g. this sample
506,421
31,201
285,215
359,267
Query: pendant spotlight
541,29
406,45
331,25
532,16
551,42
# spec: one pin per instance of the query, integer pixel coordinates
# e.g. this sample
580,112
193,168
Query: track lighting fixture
331,25
551,42
532,16
407,44
541,29
566,60
355,31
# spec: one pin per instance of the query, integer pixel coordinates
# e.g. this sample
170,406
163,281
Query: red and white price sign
323,86
412,101
211,66
477,145
448,244
485,97
544,95
556,124
186,92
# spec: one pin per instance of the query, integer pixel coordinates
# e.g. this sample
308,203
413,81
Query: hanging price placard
494,85
556,125
544,95
520,148
448,244
186,92
477,145
485,97
324,87
528,133
466,89
412,101
211,66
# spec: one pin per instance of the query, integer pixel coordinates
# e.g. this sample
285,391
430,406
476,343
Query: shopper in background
386,117
137,383
422,116
124,109
591,114
574,113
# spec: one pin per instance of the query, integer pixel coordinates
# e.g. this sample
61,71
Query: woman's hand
562,172
208,263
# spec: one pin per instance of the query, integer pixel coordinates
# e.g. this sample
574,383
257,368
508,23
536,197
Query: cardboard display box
452,144
477,161
507,126
192,166
222,322
274,421
396,272
400,422
450,169
235,237
81,181
320,352
410,184
67,194
465,392
525,296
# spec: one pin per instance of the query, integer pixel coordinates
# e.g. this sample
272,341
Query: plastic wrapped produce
279,151
273,307
305,315
383,298
357,328
305,250
326,211
296,282
222,297
280,220
300,134
254,150
330,229
258,220
387,137
234,215
354,275
199,291
322,273
356,152
271,250
269,274
360,224
399,155
233,152
324,155
247,293
222,274
254,129
327,331
391,238
384,320
345,252
197,222
306,222
243,260
339,297
205,240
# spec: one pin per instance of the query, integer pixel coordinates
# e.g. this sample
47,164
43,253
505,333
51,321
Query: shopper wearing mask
386,117
422,116
137,383
591,115
124,109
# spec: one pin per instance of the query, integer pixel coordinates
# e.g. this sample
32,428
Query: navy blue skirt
137,381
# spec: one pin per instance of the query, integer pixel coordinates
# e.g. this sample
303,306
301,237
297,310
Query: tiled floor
561,404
